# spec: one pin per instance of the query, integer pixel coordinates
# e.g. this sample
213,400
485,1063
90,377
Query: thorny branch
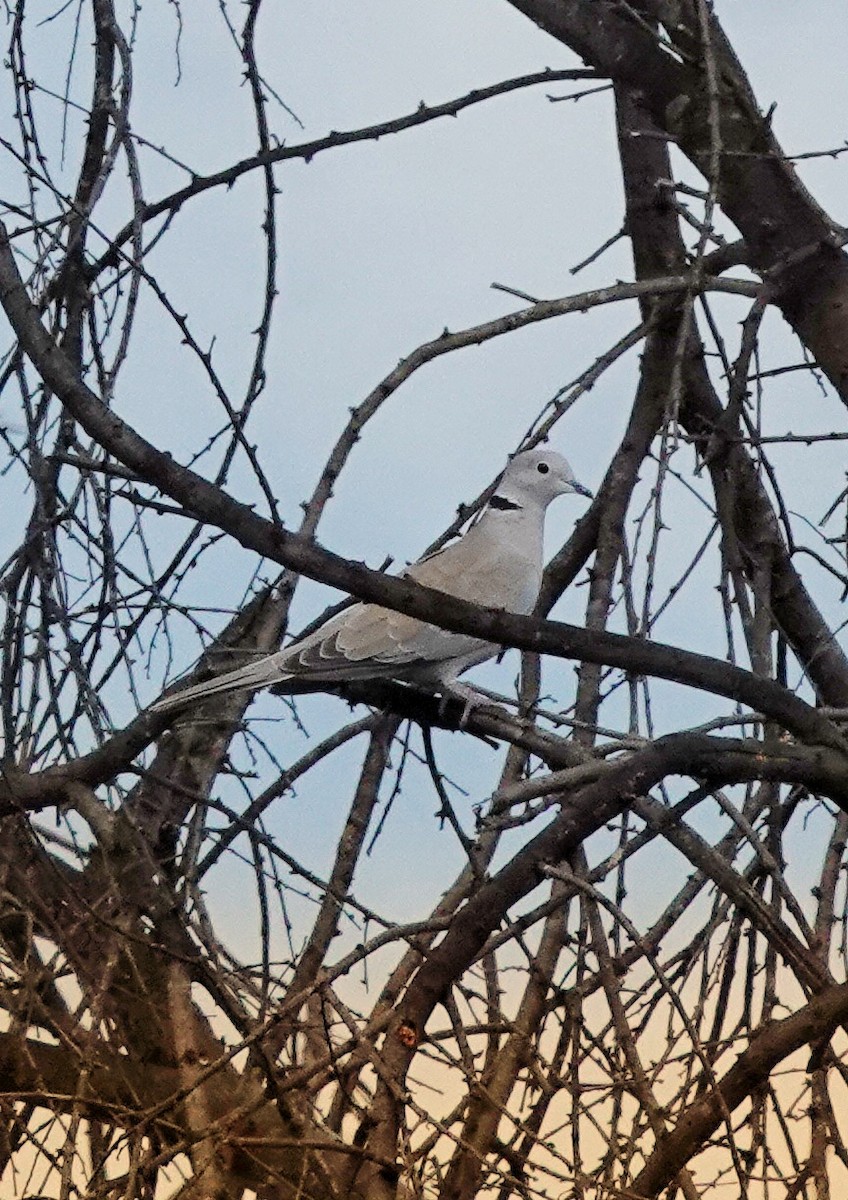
236,962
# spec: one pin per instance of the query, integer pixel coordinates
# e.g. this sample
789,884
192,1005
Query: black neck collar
503,503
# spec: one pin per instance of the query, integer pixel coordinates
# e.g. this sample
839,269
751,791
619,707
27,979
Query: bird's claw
468,696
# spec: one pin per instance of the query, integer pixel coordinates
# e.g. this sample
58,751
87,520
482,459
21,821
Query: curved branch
718,760
786,231
212,505
583,813
307,150
777,1041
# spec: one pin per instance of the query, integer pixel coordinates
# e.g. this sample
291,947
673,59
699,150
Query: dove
497,563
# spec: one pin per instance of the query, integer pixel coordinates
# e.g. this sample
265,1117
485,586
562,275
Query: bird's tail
244,679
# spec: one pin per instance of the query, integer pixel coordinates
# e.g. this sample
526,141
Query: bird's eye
543,468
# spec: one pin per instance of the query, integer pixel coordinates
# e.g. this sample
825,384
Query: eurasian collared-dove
497,563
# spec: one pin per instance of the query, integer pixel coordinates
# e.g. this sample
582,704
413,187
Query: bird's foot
468,696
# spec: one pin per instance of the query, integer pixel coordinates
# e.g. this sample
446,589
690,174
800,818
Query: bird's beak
582,490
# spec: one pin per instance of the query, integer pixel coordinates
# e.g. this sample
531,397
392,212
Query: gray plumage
497,563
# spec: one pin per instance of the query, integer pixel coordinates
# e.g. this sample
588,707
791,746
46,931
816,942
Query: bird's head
537,477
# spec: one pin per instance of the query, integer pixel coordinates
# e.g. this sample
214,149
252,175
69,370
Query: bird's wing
497,564
367,640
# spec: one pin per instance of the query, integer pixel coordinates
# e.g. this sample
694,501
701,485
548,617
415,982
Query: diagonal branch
306,151
212,505
769,1048
787,234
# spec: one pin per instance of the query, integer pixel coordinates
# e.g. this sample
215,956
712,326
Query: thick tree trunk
712,116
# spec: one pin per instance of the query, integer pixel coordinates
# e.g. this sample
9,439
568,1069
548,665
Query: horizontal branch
105,1085
583,813
586,809
31,792
213,506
